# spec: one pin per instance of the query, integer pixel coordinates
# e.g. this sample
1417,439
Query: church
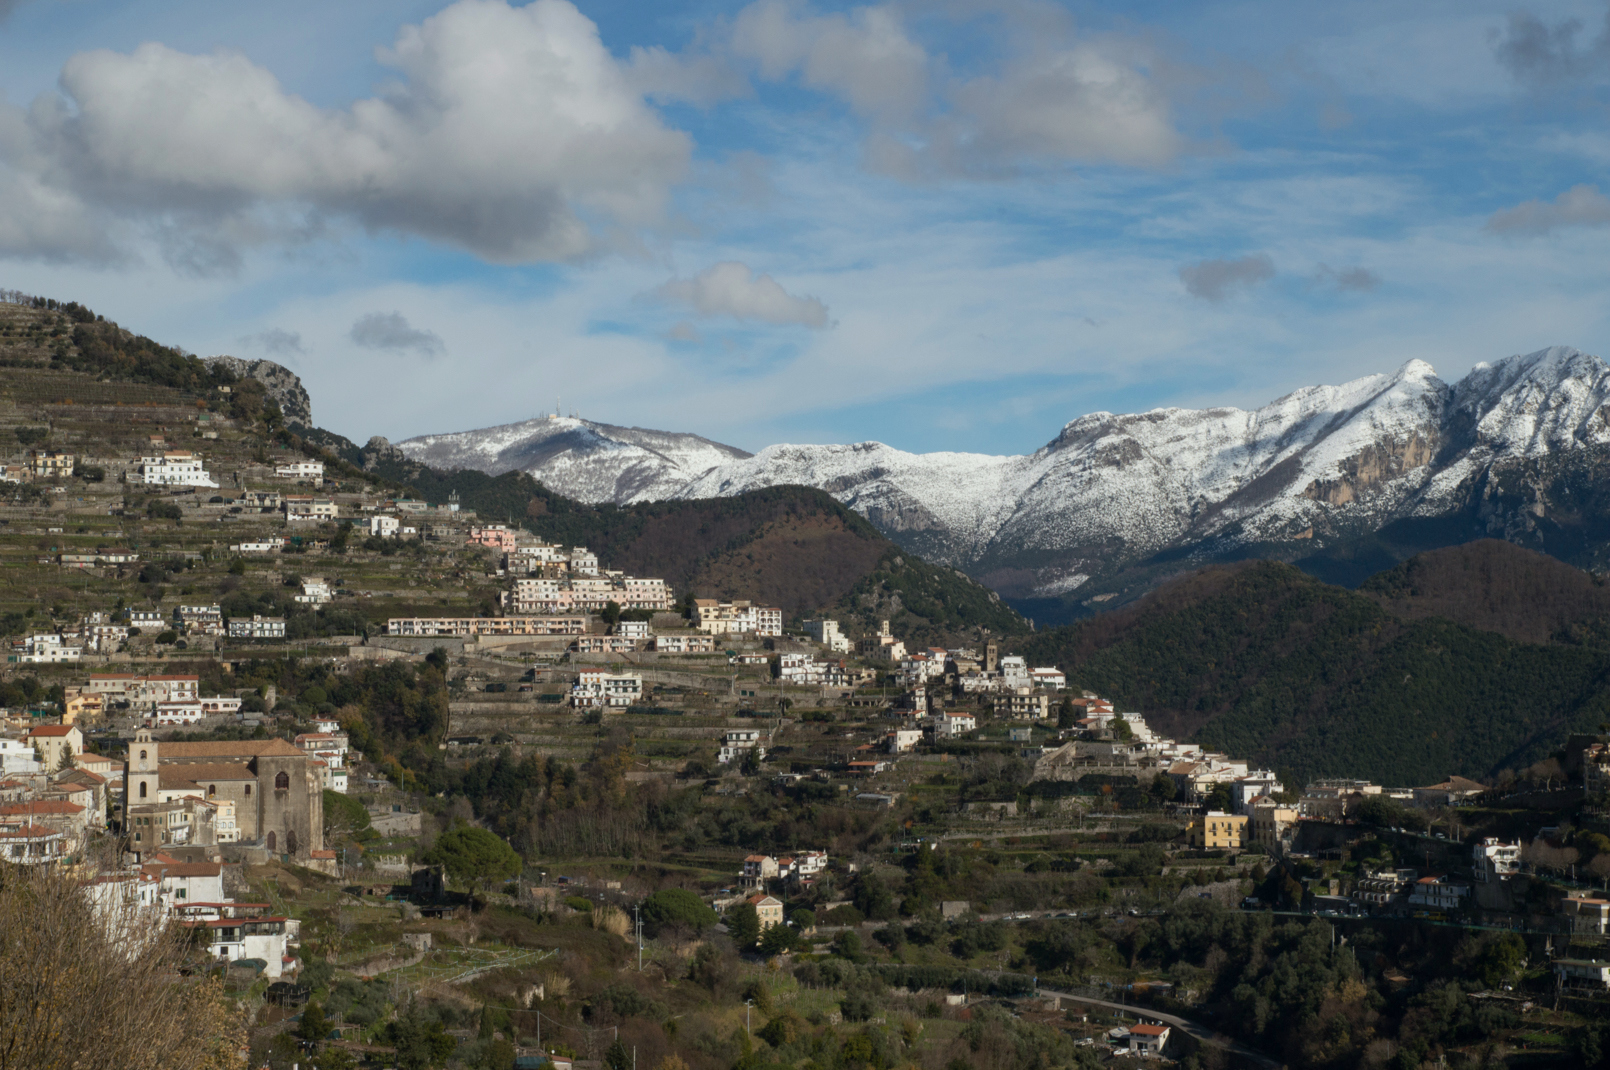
277,792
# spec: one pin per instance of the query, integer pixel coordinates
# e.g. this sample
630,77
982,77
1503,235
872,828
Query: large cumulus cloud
511,132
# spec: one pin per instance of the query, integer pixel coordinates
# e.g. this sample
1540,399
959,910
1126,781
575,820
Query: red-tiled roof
43,806
1149,1030
51,730
27,832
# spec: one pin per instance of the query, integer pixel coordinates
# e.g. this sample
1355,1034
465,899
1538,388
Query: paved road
1201,1032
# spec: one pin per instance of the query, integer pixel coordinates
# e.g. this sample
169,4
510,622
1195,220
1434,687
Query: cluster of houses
38,465
102,633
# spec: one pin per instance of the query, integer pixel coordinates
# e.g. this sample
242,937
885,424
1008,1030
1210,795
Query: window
212,789
142,756
270,843
248,789
282,782
142,789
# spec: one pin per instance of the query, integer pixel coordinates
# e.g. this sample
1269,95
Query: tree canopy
676,907
473,856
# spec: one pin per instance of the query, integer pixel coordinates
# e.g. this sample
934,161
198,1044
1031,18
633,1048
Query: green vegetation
473,856
676,908
1266,662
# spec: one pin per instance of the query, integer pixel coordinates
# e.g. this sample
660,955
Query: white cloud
1579,206
511,133
865,58
1215,280
700,78
1059,98
1086,103
731,289
391,330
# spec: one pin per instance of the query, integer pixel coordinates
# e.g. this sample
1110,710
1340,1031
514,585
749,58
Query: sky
951,225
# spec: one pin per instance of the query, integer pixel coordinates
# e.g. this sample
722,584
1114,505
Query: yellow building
1218,830
769,909
81,706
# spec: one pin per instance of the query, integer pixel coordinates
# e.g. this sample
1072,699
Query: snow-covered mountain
1510,450
580,459
1321,464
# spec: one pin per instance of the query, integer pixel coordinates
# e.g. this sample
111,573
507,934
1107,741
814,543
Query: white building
257,628
45,648
17,758
723,618
1015,672
827,633
1494,859
177,468
300,508
202,620
312,471
596,687
384,527
952,725
739,742
1051,679
684,644
1254,784
269,546
239,931
171,713
330,747
27,844
315,591
902,739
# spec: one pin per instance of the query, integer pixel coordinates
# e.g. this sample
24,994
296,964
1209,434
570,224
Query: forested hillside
1499,587
1268,663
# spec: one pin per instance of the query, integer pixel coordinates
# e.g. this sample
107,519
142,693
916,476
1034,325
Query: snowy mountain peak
1114,491
579,458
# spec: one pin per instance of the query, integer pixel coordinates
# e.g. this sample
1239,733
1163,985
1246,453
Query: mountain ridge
1115,503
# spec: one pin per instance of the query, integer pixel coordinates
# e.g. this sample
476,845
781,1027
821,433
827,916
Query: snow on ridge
1112,486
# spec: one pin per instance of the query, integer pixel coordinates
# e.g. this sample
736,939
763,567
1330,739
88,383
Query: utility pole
637,911
747,1004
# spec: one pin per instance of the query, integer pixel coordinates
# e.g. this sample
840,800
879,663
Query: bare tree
90,983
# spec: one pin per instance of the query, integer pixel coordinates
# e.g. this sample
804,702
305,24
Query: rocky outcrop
282,384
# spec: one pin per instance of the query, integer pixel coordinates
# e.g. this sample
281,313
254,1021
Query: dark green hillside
1499,587
1266,662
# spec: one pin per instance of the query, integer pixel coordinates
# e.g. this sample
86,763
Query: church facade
277,792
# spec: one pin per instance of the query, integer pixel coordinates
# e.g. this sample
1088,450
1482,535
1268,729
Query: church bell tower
140,779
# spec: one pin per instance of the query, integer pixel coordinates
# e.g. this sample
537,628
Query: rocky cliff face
283,385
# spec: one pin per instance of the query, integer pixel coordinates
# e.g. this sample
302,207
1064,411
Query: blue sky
952,225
